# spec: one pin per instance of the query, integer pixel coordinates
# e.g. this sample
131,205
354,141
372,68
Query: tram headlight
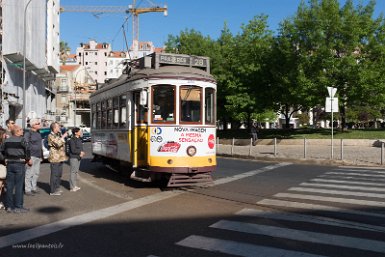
191,151
169,161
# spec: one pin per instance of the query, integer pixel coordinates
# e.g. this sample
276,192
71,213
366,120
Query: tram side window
93,118
115,123
123,111
99,115
210,106
104,116
190,104
163,103
141,110
109,113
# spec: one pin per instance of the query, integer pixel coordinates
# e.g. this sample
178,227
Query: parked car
86,136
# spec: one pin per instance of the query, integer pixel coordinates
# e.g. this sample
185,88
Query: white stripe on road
43,230
316,207
336,192
364,170
351,178
301,235
282,215
349,182
332,199
356,174
374,189
237,248
50,228
249,173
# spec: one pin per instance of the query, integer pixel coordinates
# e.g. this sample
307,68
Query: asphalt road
254,209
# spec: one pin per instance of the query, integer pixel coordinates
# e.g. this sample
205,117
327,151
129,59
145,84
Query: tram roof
143,70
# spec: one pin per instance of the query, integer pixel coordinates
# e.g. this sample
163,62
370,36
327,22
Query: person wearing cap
34,139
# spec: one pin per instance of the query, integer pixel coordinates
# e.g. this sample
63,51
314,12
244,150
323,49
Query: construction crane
132,9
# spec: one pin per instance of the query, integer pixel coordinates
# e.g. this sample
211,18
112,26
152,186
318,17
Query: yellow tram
159,120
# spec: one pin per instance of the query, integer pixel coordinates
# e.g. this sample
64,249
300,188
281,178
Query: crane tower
132,9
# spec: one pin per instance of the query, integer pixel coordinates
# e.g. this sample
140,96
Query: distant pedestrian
254,132
16,153
57,155
34,139
76,153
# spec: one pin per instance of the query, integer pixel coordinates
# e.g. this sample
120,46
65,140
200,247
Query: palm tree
64,51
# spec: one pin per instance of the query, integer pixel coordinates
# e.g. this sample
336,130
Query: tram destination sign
184,60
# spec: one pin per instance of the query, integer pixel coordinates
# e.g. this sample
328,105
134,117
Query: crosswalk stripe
355,174
237,248
339,176
316,207
363,170
301,235
336,192
374,189
349,182
332,199
282,215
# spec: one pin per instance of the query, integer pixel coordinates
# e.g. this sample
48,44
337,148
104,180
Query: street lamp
24,59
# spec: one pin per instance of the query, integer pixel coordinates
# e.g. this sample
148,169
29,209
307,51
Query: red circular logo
211,141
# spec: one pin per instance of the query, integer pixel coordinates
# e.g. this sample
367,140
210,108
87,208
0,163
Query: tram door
139,132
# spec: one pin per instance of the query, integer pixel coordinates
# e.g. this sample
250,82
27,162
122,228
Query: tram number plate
183,60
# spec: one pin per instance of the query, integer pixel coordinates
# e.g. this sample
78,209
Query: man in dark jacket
75,153
16,153
34,140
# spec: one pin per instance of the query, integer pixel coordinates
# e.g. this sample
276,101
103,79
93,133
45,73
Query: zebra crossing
338,213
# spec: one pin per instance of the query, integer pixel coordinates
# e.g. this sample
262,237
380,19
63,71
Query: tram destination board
183,60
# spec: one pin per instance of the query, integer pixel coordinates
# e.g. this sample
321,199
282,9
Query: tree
341,47
64,51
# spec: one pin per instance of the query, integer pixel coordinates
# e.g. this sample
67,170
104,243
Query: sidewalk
346,152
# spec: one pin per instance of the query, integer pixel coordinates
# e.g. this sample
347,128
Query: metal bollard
232,147
342,149
251,143
275,147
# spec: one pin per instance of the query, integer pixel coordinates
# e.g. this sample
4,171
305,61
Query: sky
205,16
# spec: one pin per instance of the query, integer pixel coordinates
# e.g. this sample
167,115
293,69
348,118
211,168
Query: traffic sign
331,102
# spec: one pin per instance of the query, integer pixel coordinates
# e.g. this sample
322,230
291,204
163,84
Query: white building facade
94,56
36,45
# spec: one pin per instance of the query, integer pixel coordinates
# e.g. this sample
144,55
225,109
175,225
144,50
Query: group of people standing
22,154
